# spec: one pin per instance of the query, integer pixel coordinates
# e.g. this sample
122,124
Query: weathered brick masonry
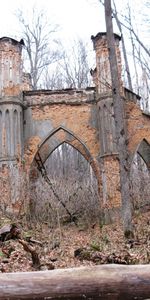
35,123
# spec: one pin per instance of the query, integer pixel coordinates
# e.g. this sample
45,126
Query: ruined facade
34,123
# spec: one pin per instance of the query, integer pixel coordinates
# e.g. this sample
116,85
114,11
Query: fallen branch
107,282
33,241
34,254
44,174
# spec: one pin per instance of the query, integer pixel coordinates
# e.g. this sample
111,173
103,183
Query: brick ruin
34,123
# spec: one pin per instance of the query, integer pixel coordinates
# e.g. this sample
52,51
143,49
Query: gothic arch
64,135
144,151
55,130
15,130
140,176
57,137
1,126
8,133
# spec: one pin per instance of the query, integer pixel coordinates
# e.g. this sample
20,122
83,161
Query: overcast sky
75,17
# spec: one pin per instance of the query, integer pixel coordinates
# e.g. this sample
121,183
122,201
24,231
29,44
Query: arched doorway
140,177
63,180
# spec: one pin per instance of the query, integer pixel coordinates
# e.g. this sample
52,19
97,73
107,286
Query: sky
76,18
81,18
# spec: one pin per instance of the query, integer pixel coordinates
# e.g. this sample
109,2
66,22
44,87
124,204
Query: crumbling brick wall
41,120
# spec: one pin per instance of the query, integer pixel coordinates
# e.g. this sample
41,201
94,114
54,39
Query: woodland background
53,66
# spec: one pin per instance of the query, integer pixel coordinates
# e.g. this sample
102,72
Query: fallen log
105,282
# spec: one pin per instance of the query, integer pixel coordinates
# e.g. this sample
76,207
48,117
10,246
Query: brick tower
11,123
108,148
10,100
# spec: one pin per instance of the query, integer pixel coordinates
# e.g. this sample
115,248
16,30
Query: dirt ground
73,246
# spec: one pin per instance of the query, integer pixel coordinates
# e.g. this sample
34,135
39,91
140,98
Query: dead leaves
98,257
69,246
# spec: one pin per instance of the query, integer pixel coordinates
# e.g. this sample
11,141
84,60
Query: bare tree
53,78
140,181
115,15
73,70
76,67
37,34
119,24
119,124
64,189
137,53
140,56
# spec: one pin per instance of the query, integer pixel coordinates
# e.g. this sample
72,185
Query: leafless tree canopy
70,174
73,70
38,36
136,50
73,189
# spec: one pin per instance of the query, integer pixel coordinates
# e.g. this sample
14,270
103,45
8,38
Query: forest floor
73,246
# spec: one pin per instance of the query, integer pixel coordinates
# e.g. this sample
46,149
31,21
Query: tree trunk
115,14
119,124
107,282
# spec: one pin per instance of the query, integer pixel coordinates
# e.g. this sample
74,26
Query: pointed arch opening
63,180
58,136
8,133
140,177
15,131
1,136
144,151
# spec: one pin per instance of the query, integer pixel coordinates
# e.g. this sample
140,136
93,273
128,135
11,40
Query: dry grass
59,244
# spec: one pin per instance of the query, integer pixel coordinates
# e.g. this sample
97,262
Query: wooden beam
107,282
